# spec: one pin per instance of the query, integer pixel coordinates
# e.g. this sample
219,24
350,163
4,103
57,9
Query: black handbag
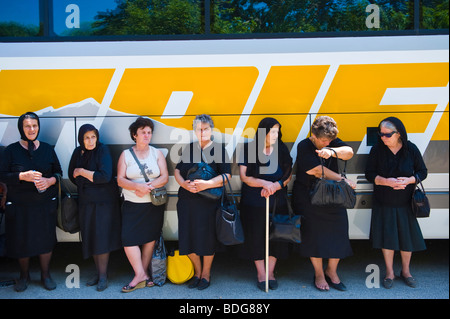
158,195
67,213
205,172
285,227
419,201
333,193
229,229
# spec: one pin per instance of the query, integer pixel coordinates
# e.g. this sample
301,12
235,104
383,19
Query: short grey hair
202,118
389,125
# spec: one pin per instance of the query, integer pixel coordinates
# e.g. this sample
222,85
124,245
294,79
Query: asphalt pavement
234,280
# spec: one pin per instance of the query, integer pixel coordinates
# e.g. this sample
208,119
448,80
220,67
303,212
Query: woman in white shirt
141,220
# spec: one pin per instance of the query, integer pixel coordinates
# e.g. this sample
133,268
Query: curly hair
140,122
325,126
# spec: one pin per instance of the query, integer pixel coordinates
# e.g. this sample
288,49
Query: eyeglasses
388,135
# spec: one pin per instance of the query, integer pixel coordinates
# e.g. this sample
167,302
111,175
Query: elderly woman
324,229
30,167
262,178
141,220
197,214
91,169
393,164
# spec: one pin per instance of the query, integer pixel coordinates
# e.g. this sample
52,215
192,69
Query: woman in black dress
197,214
141,220
392,166
30,169
324,229
265,171
91,169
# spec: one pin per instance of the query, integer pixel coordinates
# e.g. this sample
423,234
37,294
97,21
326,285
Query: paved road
234,279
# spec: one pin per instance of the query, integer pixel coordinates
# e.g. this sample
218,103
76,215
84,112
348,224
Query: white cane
267,244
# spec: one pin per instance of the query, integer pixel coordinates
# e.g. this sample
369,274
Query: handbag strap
343,173
224,193
139,164
418,182
290,211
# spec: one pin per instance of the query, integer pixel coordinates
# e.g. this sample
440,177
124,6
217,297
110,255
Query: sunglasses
388,135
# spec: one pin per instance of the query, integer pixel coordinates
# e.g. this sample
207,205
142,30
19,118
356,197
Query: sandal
139,285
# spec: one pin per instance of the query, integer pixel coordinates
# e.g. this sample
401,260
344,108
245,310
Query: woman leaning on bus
324,229
197,214
30,167
392,166
91,169
141,220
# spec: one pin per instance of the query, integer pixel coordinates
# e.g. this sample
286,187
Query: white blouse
134,174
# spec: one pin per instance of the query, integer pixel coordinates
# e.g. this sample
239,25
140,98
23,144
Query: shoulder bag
419,201
333,193
204,171
228,221
67,213
285,227
158,195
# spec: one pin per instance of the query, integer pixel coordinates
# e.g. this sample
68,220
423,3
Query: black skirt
253,220
324,229
141,223
30,228
100,227
196,224
395,228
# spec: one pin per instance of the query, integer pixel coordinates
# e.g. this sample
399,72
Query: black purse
158,196
333,193
419,201
205,172
285,227
67,213
229,229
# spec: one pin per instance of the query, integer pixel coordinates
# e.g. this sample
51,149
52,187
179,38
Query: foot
338,286
408,280
21,284
139,285
194,282
320,283
102,284
48,283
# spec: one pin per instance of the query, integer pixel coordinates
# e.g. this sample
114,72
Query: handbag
228,221
333,193
419,201
67,213
158,195
159,263
285,227
204,171
179,268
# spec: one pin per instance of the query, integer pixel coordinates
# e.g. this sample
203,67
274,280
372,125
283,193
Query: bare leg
388,255
319,275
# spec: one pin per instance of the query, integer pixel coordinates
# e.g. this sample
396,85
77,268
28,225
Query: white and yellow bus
356,80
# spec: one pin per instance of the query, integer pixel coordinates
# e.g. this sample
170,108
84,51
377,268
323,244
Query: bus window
19,18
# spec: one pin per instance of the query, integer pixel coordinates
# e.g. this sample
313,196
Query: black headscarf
400,128
284,157
33,116
86,154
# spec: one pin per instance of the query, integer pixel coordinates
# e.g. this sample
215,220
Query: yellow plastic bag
179,268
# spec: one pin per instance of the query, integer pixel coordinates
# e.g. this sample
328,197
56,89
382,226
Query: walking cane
267,244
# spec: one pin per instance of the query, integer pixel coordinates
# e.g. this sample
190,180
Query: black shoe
273,284
261,285
102,284
21,284
203,284
194,282
340,286
410,281
48,283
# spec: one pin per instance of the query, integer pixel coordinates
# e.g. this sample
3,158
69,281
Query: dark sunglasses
388,135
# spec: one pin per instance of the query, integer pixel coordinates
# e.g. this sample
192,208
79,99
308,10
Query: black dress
196,214
253,206
324,229
30,221
393,224
98,201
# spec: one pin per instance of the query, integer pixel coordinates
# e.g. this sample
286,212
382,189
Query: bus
356,77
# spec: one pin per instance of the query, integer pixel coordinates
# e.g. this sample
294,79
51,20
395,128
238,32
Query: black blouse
16,159
386,164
